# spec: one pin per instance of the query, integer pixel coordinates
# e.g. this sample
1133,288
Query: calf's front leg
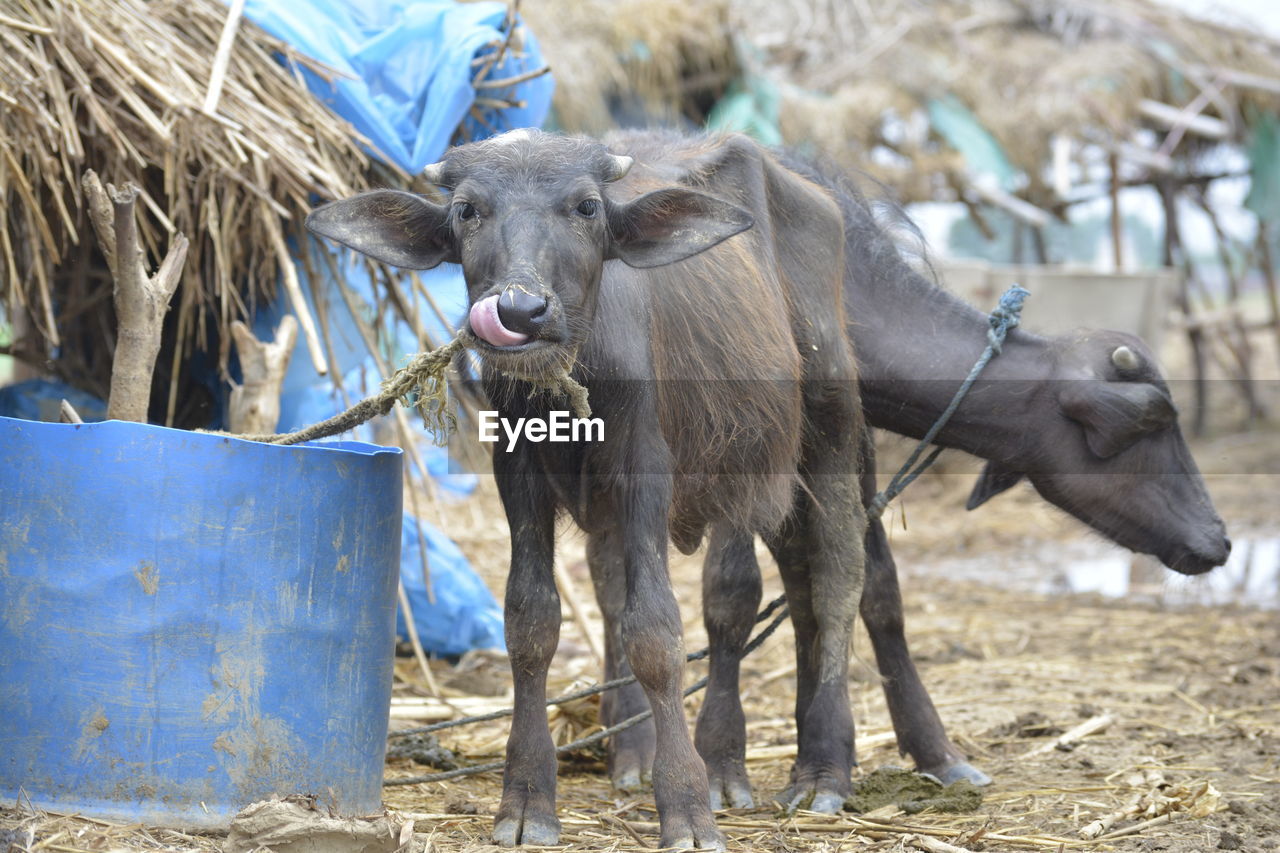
527,813
915,719
651,635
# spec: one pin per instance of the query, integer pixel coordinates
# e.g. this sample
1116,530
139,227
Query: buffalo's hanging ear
1116,414
994,479
669,225
394,227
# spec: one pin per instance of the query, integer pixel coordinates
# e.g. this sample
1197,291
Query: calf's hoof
690,832
630,779
729,788
956,771
825,801
524,823
821,790
631,758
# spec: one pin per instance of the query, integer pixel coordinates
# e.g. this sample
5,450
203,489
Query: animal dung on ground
294,825
911,792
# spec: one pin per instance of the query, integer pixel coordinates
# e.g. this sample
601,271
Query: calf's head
531,219
1104,445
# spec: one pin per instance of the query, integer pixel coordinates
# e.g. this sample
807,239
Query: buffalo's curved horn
1124,358
434,173
620,165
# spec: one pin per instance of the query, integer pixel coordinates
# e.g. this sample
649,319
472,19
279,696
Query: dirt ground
1192,692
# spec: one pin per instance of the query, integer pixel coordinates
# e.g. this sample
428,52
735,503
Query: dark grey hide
1085,418
728,390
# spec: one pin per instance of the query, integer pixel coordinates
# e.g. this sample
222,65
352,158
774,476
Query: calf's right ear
394,227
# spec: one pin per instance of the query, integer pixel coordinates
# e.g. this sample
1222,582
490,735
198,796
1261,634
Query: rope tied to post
1006,316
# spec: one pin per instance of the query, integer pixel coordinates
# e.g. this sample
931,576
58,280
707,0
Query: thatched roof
858,78
118,86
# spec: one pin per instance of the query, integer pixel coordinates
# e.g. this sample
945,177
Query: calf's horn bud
434,173
619,167
1124,358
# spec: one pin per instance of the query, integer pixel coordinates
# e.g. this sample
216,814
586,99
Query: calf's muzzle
522,311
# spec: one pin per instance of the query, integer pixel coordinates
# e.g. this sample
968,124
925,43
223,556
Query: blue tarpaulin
460,613
39,400
409,67
410,86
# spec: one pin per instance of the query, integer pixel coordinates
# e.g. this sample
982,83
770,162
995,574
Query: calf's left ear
669,225
397,228
1116,414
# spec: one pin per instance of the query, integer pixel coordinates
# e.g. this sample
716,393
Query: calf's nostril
522,311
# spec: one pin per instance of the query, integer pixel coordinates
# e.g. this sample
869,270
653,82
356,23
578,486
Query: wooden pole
1234,335
1269,276
254,407
1195,335
141,300
1117,225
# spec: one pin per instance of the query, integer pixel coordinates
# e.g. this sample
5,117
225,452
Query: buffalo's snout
1202,557
516,315
523,311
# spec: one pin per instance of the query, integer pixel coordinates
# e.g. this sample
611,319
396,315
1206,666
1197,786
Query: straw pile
653,58
118,86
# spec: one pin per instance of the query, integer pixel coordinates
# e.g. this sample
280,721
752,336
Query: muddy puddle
1250,578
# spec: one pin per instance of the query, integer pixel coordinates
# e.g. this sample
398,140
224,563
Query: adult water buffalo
726,383
1086,418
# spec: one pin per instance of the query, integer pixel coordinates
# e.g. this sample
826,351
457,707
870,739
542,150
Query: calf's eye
466,211
588,207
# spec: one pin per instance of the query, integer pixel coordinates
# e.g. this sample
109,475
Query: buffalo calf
693,285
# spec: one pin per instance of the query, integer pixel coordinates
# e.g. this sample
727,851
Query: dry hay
658,53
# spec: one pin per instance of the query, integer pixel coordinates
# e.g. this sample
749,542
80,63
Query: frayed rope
421,384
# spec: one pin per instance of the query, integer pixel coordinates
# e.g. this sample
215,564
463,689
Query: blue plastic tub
190,622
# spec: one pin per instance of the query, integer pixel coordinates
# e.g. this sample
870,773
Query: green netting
958,125
1264,166
751,107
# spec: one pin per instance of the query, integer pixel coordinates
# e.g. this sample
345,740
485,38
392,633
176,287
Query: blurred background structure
1098,138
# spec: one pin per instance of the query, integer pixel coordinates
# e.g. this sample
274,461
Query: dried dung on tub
293,826
911,792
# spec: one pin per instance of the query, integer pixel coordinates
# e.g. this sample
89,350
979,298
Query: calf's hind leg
819,552
630,752
730,597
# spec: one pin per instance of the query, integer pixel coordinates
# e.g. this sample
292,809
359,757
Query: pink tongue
487,326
